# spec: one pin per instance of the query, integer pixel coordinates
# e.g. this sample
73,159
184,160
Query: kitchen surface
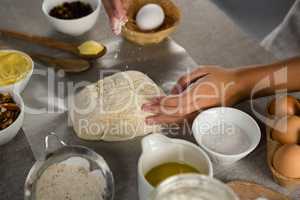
205,35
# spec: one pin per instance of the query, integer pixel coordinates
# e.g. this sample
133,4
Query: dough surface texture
110,109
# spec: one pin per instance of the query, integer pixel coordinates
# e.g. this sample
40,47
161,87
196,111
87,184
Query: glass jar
193,187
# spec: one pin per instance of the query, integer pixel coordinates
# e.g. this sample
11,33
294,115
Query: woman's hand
205,87
117,13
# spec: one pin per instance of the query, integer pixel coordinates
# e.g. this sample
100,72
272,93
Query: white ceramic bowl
74,27
10,132
224,115
19,86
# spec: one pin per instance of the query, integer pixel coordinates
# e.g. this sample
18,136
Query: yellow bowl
132,33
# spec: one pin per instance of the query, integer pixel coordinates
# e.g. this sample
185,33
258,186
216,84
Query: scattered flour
116,55
118,25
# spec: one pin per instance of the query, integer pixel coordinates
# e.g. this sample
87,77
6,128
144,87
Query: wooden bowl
132,33
272,147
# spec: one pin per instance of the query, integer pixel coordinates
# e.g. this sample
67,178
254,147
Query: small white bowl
10,132
73,27
19,86
215,117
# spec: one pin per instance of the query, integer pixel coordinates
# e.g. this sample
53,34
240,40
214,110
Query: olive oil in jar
160,173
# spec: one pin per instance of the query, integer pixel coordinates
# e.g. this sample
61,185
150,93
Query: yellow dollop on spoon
90,47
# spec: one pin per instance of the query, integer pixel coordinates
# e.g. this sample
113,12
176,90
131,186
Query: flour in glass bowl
226,138
71,180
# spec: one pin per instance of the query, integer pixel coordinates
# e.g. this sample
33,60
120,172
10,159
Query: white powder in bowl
226,139
77,161
69,180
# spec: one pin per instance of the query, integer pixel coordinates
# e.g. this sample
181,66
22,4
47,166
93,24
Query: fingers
115,9
203,94
176,105
162,119
170,111
118,8
108,8
200,96
165,119
158,109
116,13
171,101
117,24
180,100
126,4
186,80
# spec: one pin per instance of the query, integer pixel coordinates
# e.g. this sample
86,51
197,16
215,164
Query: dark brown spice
71,10
9,111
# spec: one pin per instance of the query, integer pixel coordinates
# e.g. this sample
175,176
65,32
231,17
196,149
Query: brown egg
285,105
287,130
286,160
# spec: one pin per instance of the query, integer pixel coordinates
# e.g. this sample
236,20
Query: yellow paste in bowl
14,67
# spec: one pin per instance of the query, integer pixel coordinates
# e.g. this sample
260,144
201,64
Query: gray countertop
205,33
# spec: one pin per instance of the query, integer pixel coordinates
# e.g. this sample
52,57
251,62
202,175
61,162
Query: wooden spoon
67,64
52,43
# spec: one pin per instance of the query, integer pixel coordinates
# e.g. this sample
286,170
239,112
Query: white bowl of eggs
150,21
16,69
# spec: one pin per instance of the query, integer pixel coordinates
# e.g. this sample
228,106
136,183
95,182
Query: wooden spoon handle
45,41
44,58
66,64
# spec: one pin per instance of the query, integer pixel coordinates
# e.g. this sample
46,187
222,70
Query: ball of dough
110,109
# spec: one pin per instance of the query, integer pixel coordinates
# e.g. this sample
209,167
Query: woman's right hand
206,87
117,13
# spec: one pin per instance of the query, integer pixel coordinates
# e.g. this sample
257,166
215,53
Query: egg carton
132,33
272,147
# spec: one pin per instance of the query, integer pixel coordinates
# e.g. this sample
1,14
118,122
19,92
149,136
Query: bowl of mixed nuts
11,116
